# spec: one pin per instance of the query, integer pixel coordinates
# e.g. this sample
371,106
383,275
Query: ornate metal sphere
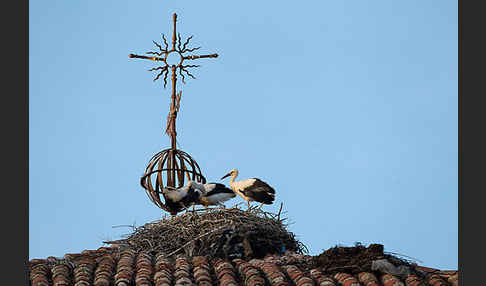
169,168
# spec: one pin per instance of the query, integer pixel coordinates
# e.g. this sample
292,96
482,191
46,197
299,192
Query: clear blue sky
347,108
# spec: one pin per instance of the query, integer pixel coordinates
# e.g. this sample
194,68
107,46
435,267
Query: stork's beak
227,175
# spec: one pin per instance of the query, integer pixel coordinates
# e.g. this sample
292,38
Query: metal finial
175,163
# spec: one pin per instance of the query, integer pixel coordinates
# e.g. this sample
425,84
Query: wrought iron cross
161,56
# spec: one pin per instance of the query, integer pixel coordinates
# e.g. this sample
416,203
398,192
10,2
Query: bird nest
356,259
226,233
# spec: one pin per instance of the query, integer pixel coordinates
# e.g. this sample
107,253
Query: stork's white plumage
251,189
216,194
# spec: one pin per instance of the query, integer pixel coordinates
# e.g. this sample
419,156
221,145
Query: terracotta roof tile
414,280
39,274
202,271
225,272
436,276
436,280
298,276
321,279
427,269
346,279
454,279
183,272
390,280
249,273
272,272
163,271
126,267
104,271
368,279
144,270
83,272
61,274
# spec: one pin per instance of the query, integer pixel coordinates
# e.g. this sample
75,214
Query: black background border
15,121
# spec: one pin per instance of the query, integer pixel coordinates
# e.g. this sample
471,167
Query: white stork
251,189
182,198
216,194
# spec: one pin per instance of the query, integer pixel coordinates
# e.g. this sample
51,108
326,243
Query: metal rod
173,109
174,166
174,17
170,166
145,57
147,175
200,57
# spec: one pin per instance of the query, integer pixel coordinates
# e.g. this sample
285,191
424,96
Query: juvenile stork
251,189
216,194
182,198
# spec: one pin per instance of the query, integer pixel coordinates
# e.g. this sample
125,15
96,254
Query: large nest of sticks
226,233
356,259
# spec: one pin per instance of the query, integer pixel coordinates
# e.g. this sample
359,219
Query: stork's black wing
260,192
173,207
217,188
259,184
193,196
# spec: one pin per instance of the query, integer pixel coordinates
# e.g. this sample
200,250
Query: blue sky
347,108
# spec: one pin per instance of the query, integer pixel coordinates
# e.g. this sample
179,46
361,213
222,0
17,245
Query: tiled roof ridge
123,266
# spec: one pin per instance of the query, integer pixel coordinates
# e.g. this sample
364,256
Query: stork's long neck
233,177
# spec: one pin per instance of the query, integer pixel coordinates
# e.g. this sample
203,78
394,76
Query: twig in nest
280,210
202,235
149,243
123,225
412,258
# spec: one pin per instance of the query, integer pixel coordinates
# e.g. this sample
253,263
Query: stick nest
354,259
225,233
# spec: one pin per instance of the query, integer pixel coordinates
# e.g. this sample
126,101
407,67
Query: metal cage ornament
170,167
177,165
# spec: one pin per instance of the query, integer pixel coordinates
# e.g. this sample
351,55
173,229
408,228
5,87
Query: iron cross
178,49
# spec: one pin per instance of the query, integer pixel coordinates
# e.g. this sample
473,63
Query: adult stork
216,194
251,189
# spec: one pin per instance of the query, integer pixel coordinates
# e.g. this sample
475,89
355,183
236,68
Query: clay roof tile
129,267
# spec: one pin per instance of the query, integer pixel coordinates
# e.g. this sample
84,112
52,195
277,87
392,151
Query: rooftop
225,248
113,266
